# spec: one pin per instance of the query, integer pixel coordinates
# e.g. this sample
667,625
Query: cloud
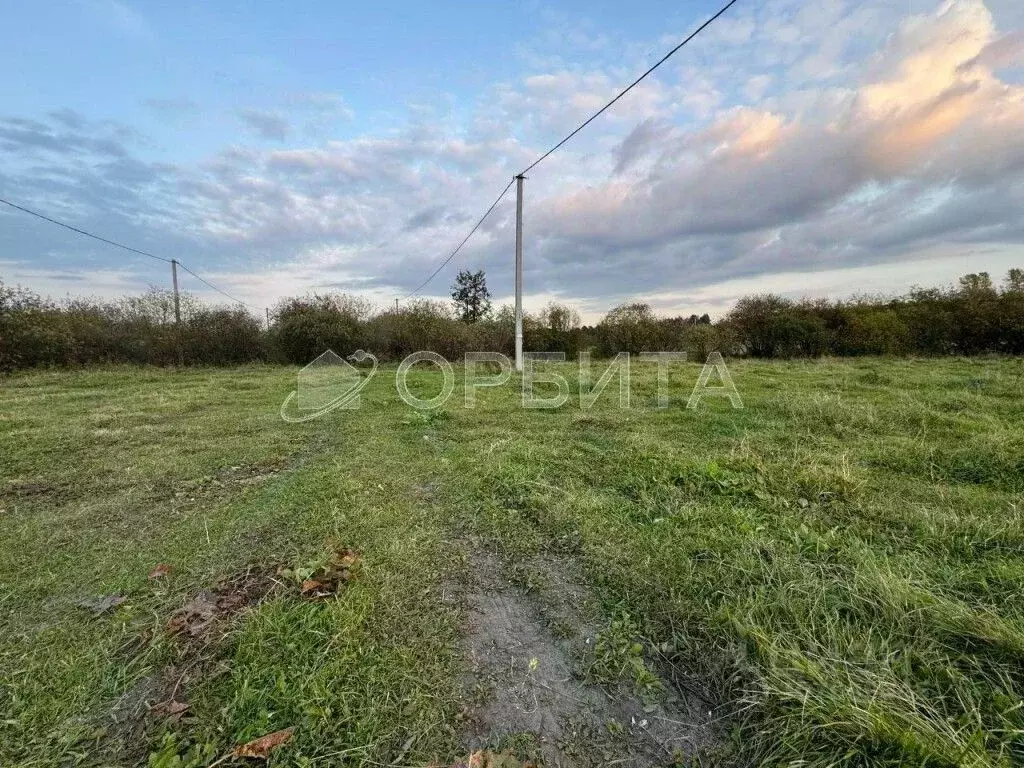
919,120
1005,51
837,147
266,125
65,142
324,102
640,142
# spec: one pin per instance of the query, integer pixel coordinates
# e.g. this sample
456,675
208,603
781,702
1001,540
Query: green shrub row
973,317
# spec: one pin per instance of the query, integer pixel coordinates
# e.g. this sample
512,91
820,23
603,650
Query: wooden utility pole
519,272
177,300
268,317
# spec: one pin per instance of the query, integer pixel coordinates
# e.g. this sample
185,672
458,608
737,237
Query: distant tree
156,306
559,318
757,321
872,330
1014,282
1011,320
977,316
470,295
630,314
974,285
629,328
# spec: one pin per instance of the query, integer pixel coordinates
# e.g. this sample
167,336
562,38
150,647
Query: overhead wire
458,248
218,290
471,232
628,88
116,244
578,128
83,232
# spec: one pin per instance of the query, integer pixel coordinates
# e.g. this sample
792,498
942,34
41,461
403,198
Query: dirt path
527,689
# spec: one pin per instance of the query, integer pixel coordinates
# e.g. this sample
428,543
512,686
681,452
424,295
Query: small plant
325,575
618,655
174,753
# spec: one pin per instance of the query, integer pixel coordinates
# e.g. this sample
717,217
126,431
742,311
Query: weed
618,655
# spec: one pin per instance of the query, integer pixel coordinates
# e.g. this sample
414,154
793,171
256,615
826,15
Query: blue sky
807,148
181,72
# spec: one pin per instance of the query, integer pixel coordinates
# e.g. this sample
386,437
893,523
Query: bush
307,327
701,340
871,331
973,317
757,321
628,328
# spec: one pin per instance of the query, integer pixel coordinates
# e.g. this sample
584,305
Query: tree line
973,317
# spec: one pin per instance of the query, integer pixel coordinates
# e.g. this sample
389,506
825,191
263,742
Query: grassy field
838,566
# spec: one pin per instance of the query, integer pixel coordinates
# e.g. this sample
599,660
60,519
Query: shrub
872,331
701,340
974,317
307,327
756,322
628,328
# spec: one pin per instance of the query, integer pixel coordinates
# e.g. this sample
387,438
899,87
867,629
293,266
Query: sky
827,148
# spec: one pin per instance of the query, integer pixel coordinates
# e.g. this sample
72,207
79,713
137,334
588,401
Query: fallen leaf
327,580
311,585
160,571
348,559
262,746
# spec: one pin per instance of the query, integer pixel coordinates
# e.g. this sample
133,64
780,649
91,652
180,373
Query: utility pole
519,273
268,317
177,301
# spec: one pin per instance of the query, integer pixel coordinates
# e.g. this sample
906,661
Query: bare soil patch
530,639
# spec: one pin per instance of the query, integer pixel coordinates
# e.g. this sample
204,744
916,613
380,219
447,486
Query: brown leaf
160,571
311,585
347,559
262,746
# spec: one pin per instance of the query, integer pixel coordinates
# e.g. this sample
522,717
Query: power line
83,232
218,290
579,128
476,226
464,241
129,248
630,87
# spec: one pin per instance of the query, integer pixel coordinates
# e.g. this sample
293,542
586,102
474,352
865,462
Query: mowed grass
840,563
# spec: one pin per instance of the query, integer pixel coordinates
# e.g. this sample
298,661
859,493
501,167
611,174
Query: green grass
841,562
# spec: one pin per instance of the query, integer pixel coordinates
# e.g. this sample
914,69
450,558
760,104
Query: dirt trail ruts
526,685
